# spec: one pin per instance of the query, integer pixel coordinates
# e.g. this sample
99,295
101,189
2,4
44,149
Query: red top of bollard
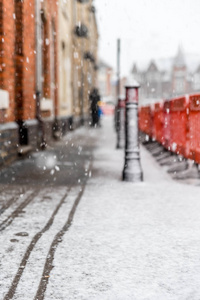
131,94
132,91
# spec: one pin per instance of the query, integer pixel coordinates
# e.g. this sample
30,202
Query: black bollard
120,122
132,168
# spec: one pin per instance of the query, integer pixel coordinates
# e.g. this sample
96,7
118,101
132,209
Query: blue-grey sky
148,29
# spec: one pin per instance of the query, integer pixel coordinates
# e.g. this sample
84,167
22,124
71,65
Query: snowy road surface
102,238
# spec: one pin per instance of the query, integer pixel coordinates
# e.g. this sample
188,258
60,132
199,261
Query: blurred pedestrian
94,108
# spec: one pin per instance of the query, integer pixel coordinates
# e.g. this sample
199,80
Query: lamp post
132,171
119,112
120,120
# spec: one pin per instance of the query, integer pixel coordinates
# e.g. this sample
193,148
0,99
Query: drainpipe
82,72
82,82
75,76
38,39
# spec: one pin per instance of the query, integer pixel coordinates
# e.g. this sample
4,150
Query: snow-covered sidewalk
130,241
109,240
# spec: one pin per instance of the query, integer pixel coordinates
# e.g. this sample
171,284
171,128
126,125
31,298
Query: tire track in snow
58,237
18,210
30,248
12,200
50,256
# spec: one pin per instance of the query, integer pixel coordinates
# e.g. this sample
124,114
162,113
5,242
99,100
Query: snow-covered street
97,237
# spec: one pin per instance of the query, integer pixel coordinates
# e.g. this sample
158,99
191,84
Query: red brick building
30,38
8,128
28,74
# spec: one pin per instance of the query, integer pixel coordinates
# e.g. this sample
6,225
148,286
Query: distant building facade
166,78
65,53
105,75
107,83
85,57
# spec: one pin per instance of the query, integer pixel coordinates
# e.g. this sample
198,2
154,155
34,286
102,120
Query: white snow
8,126
127,241
130,241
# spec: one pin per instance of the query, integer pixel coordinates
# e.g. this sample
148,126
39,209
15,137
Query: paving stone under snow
127,241
130,241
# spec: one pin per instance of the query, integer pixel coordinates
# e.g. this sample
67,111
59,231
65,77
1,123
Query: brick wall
17,58
7,71
25,60
29,103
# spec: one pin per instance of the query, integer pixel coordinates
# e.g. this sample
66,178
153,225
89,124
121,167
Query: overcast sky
148,29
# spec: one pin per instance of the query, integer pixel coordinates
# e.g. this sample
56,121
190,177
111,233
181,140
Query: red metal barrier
175,124
158,122
145,120
140,118
166,123
149,121
194,128
179,109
